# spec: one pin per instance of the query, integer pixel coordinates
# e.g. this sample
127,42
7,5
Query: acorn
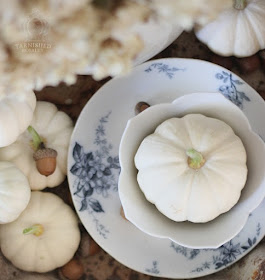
45,160
73,270
140,107
45,157
88,247
94,247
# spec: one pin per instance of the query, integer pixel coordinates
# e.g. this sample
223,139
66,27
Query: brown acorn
140,107
73,270
45,157
45,160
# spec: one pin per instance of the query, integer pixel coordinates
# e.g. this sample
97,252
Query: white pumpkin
55,128
16,111
14,192
44,237
192,168
238,31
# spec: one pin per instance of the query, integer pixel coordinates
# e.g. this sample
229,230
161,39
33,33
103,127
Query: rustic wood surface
71,99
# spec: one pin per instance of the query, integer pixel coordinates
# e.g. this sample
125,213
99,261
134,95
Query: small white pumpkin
44,237
14,192
238,31
55,128
16,111
192,168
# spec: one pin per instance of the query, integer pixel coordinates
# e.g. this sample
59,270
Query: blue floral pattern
222,256
186,252
163,68
95,173
229,88
154,269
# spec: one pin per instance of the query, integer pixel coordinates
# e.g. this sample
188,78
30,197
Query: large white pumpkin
238,31
192,168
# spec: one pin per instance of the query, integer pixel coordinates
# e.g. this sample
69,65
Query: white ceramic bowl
146,217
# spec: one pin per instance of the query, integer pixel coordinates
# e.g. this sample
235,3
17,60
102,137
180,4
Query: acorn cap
44,153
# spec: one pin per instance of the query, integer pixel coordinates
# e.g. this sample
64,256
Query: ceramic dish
145,215
93,167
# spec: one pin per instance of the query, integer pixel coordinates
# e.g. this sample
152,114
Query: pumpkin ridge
55,140
10,118
251,15
215,36
171,143
161,134
41,111
210,211
164,165
19,179
59,262
19,248
187,196
213,158
233,193
157,143
227,134
158,165
225,177
58,115
51,180
6,193
188,202
187,128
7,210
159,190
225,144
46,212
31,102
189,193
4,165
13,108
222,143
46,245
54,211
215,195
41,184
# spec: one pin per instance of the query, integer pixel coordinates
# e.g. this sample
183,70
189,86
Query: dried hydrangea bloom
185,13
44,42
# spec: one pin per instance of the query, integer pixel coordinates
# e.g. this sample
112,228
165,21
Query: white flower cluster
44,42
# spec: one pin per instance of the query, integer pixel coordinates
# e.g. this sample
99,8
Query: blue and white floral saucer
93,166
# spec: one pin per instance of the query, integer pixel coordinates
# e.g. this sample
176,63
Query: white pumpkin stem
195,159
36,139
240,4
37,230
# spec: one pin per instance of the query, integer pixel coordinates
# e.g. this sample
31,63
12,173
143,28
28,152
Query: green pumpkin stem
36,139
195,159
37,230
240,4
